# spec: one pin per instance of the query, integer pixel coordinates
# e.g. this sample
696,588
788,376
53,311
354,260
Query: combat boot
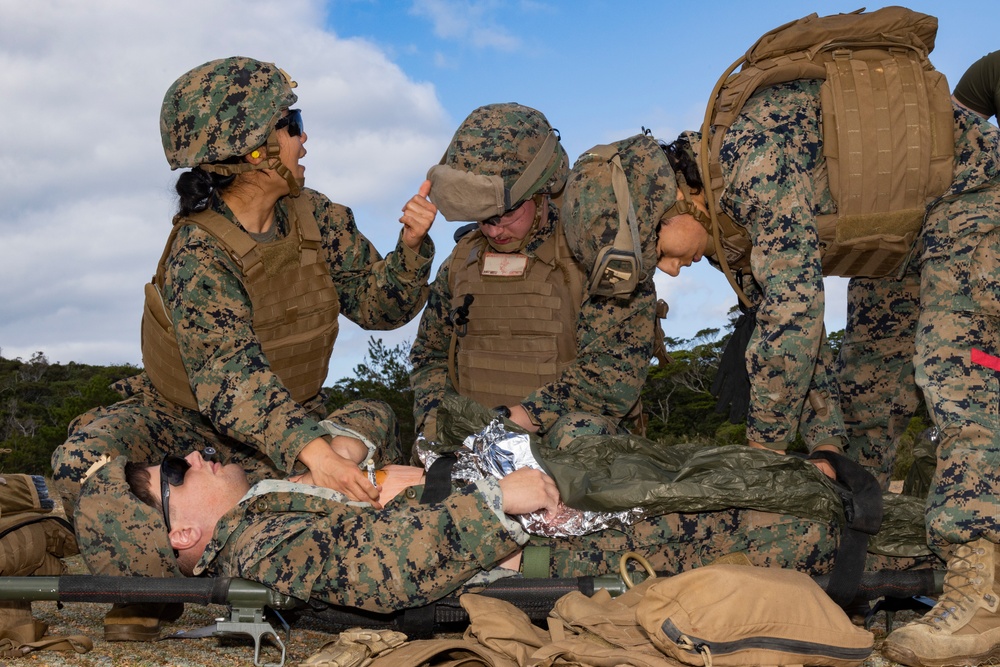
963,628
17,625
138,622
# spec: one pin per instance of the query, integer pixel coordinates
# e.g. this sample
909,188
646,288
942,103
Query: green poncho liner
611,473
903,532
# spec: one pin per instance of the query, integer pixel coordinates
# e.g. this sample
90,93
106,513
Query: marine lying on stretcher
678,508
697,505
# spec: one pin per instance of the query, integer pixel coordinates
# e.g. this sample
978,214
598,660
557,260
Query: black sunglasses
172,471
293,121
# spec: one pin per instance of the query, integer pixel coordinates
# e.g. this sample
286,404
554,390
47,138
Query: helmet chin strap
686,205
272,160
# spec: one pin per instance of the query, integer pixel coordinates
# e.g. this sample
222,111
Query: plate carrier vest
295,305
521,330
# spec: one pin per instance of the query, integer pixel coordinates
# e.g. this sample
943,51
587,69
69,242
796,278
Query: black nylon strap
862,499
418,622
437,481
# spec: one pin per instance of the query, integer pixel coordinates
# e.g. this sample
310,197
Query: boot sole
907,657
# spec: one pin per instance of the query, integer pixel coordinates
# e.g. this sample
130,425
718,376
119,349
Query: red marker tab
988,360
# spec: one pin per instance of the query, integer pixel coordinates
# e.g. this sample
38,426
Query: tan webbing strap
161,265
626,211
237,242
301,217
538,171
711,186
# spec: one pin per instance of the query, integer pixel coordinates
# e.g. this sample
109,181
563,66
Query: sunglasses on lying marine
293,121
172,471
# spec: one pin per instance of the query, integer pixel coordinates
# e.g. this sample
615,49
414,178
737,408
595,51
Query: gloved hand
732,383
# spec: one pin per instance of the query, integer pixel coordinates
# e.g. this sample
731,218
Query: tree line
39,399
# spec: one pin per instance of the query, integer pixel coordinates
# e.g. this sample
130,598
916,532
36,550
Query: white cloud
87,194
468,22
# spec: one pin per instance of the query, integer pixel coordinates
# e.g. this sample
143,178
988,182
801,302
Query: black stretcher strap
437,481
862,498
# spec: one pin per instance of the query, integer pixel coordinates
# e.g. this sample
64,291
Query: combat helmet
500,156
118,534
615,198
222,110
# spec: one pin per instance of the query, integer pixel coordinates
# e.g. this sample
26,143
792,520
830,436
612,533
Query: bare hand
519,416
528,490
824,466
418,215
329,469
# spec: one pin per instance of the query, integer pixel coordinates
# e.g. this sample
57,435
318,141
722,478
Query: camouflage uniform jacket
304,542
775,185
614,346
212,316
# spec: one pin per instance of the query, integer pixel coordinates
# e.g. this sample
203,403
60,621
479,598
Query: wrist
520,416
831,444
314,450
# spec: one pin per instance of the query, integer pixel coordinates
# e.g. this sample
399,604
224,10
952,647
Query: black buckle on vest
459,317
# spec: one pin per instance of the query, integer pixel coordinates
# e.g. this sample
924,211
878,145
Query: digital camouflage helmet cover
501,155
223,110
616,196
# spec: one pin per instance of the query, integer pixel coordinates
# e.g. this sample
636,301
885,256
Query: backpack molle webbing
887,126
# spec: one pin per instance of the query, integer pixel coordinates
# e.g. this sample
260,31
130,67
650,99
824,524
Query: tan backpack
724,614
33,541
887,132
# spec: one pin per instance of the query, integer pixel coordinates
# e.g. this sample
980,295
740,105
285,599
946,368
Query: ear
185,538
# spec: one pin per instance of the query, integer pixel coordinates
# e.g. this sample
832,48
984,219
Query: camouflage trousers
673,543
575,424
146,427
947,321
676,542
878,392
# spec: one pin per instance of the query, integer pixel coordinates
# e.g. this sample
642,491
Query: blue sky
87,193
